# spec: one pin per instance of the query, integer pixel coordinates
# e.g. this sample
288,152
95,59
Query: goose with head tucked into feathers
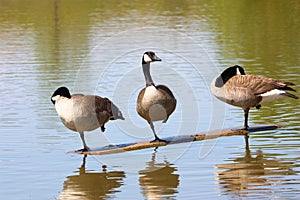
81,113
154,102
237,88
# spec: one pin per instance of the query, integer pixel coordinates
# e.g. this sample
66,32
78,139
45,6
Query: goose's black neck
148,78
229,73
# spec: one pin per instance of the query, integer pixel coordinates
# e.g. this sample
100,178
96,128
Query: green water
95,47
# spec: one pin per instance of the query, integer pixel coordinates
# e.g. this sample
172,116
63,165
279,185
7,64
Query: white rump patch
273,92
147,58
272,95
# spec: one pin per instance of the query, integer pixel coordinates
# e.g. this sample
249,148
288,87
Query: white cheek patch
147,58
238,71
55,97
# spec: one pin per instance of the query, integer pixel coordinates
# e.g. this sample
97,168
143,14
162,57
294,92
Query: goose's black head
228,73
62,91
149,56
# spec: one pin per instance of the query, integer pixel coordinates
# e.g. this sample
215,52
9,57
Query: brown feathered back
258,84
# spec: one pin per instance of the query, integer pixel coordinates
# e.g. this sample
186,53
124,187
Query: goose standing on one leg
236,88
81,113
155,102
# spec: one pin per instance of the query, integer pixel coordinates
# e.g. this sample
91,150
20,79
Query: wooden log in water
111,149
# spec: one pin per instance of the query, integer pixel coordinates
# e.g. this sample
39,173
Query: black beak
156,59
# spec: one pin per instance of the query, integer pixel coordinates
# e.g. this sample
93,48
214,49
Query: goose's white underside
151,95
73,117
218,92
151,101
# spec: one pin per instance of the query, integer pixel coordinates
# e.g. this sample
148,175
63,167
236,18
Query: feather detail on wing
258,84
171,103
103,106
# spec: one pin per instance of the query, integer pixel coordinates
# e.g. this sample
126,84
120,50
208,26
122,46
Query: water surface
95,47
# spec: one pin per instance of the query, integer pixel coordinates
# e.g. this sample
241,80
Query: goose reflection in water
159,180
91,185
248,174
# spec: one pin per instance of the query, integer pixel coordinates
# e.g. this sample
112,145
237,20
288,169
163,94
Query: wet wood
111,149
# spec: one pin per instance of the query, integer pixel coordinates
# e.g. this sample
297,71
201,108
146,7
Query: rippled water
95,47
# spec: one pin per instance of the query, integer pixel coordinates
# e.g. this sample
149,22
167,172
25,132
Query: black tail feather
288,88
290,95
289,83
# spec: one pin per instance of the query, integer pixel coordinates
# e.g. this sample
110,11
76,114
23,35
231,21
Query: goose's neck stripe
146,70
150,84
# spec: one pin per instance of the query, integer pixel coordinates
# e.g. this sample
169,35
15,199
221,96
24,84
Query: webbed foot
83,150
158,140
258,107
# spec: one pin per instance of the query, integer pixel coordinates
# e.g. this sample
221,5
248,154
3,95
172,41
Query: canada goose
81,113
236,88
154,102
